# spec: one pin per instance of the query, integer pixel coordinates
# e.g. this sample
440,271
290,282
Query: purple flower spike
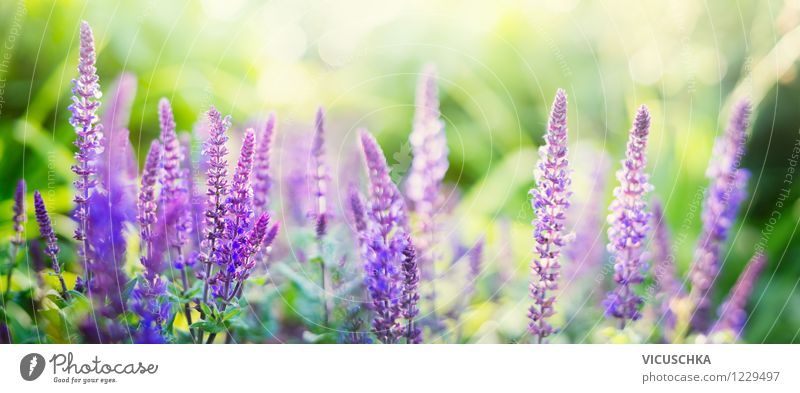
429,144
173,154
217,183
357,209
733,313
85,102
408,304
319,176
20,216
240,206
550,200
147,209
723,198
177,221
386,240
262,181
629,224
428,167
49,237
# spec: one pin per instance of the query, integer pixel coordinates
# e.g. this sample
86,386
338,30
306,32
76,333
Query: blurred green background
499,64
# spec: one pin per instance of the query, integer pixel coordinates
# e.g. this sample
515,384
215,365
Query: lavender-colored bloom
261,236
118,112
216,180
152,311
85,102
20,216
113,204
429,144
408,304
240,210
177,223
49,237
357,209
19,219
550,200
385,242
428,167
147,206
353,326
629,224
723,198
262,181
318,176
733,313
116,164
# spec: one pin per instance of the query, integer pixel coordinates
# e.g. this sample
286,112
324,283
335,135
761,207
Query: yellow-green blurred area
499,65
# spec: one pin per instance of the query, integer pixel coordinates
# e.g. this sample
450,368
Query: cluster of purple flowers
629,230
216,244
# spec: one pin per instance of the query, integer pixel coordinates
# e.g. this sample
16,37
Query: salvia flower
262,181
85,102
240,210
357,209
385,242
629,225
49,237
428,167
177,223
733,313
113,204
318,177
550,200
408,304
217,184
261,236
147,295
20,216
18,240
147,206
723,197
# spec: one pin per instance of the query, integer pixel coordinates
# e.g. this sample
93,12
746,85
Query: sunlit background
499,65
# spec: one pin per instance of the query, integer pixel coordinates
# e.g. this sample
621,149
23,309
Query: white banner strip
400,368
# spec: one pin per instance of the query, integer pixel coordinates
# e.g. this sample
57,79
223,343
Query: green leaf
231,312
208,326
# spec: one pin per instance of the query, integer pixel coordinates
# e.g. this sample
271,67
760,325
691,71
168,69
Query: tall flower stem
216,209
550,200
724,195
386,239
319,179
49,237
629,223
428,168
85,102
20,216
